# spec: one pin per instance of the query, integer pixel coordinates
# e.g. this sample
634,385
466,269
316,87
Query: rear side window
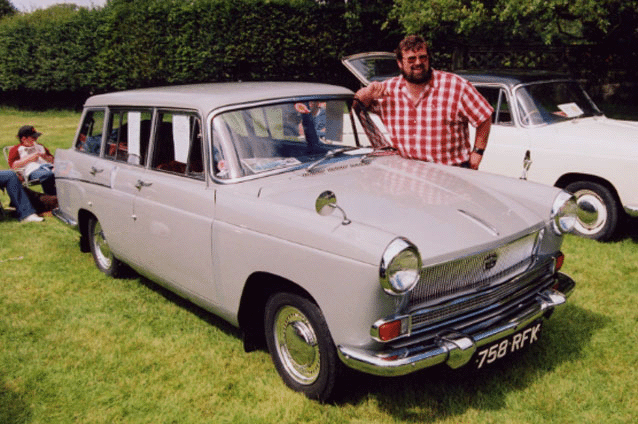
178,144
90,136
128,135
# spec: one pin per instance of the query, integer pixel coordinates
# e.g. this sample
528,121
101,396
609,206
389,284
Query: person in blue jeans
35,159
10,181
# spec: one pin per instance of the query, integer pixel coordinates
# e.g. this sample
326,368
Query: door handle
527,163
141,184
94,171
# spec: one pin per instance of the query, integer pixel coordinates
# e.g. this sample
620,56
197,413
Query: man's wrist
479,151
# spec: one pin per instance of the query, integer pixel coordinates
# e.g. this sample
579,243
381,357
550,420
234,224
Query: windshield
553,101
283,136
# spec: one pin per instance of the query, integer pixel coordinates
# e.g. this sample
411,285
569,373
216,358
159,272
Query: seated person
34,158
18,196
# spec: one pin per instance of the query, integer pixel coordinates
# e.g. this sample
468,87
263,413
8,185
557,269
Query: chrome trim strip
455,349
66,219
481,222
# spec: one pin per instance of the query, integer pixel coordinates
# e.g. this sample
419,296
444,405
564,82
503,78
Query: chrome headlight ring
564,213
400,267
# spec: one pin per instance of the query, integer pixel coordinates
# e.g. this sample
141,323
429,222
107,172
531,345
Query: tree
6,8
558,22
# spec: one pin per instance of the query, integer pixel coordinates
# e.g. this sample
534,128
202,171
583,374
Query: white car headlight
564,213
400,267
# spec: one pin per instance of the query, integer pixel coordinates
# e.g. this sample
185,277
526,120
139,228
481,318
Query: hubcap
297,346
103,253
593,212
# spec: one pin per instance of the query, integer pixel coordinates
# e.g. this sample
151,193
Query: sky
31,5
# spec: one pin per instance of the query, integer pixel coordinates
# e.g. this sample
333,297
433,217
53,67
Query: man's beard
424,78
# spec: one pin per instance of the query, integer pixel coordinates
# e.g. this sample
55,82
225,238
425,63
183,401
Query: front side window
90,136
283,135
178,144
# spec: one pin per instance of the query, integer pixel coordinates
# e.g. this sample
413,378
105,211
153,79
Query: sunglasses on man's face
412,59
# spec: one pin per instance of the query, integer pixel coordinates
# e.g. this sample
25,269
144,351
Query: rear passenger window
129,134
178,144
90,137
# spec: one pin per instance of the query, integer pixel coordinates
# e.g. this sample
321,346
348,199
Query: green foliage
135,43
6,8
46,50
502,21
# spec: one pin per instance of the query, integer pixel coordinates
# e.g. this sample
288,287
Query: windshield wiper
330,154
378,151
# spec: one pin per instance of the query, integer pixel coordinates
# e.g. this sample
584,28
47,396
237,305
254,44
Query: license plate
509,345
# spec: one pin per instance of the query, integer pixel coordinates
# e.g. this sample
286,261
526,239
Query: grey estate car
277,207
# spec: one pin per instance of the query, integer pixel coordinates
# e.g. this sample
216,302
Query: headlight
564,213
400,267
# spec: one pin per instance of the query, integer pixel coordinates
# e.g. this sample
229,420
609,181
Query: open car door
372,66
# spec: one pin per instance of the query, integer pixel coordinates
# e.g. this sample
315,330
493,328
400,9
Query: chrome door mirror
326,203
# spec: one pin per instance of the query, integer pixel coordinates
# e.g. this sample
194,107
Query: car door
508,144
372,66
125,138
174,206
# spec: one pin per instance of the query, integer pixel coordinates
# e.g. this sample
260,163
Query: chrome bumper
455,349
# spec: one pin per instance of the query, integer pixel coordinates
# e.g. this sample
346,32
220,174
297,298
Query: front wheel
600,207
102,255
301,346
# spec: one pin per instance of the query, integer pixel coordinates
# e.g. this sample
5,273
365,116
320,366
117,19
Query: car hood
443,210
592,133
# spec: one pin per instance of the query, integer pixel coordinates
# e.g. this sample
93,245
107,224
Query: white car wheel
300,345
600,207
102,255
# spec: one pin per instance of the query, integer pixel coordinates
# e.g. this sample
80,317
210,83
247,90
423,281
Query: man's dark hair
411,42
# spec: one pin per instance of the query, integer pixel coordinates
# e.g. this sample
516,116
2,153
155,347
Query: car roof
211,96
511,77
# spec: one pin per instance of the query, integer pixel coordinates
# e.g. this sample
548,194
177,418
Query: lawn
79,347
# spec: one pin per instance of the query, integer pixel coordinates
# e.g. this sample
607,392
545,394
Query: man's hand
374,91
475,160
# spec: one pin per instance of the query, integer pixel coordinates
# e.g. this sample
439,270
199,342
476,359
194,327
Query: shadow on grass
14,408
440,392
629,230
183,303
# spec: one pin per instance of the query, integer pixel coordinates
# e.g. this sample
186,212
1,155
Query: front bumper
455,348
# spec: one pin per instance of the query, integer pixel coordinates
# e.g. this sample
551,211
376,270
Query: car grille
450,279
486,300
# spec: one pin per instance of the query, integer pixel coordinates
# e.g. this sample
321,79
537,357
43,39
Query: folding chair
19,171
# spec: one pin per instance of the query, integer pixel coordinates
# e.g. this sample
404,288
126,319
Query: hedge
64,53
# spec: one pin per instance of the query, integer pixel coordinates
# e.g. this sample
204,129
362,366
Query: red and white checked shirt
435,128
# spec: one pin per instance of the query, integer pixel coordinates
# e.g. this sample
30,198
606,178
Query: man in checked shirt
427,111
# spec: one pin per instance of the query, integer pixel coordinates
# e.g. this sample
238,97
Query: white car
546,129
262,203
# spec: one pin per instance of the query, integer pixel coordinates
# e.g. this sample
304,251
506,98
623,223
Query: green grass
79,347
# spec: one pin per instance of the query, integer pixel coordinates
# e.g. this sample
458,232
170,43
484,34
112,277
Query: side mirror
326,203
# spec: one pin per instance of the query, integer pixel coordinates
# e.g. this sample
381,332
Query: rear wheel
601,208
102,255
301,346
